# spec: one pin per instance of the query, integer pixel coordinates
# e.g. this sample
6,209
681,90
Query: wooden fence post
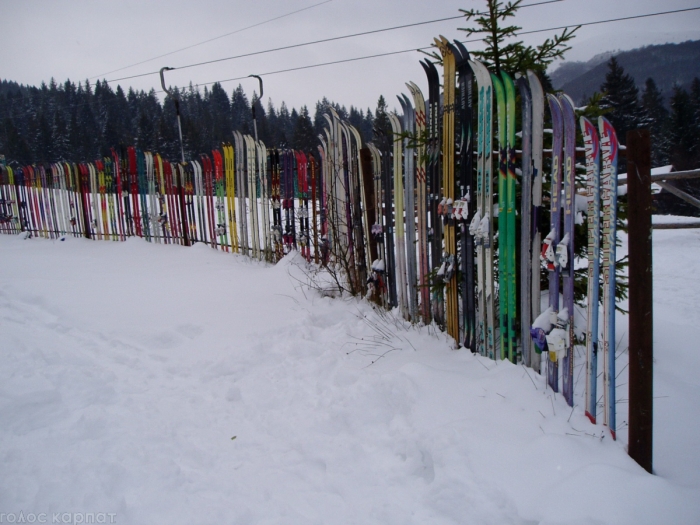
641,319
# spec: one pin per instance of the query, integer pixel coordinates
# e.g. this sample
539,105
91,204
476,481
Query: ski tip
590,416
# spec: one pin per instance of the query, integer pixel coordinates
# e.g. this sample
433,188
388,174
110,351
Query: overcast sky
80,39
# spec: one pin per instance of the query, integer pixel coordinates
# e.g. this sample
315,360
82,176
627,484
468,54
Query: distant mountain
667,64
569,71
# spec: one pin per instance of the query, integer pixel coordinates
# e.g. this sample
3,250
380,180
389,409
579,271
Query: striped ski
592,146
608,184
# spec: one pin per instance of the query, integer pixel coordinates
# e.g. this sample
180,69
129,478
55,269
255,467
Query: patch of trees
72,122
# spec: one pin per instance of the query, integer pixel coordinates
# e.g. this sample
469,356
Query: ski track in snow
127,369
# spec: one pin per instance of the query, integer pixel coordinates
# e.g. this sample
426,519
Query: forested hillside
668,64
82,122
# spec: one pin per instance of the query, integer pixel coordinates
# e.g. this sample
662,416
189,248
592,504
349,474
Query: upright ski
526,221
592,146
537,95
608,183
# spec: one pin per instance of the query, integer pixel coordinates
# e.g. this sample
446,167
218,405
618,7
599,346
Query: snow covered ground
161,384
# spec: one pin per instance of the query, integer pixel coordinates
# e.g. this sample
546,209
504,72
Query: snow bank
183,385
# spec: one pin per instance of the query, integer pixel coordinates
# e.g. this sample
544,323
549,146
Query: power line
363,33
321,41
611,20
325,40
311,66
314,65
211,39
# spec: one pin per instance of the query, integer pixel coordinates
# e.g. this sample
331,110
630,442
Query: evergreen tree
367,125
277,134
87,147
684,132
168,138
695,97
356,119
621,96
199,135
220,115
83,121
15,145
319,121
120,116
293,117
304,137
340,110
101,103
382,125
107,105
46,152
241,119
514,56
146,138
133,111
8,87
60,149
74,137
285,128
31,131
656,118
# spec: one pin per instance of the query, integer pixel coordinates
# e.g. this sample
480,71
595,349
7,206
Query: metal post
255,124
181,183
177,109
641,320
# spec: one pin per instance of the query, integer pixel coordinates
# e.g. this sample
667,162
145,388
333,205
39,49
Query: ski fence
457,213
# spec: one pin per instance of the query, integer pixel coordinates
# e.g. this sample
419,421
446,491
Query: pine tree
42,145
514,56
31,131
197,138
656,118
382,125
684,131
285,128
356,119
293,117
168,138
367,125
120,115
277,135
87,130
319,121
694,185
15,145
340,110
241,119
621,96
83,121
695,97
303,137
146,138
59,137
74,136
220,111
